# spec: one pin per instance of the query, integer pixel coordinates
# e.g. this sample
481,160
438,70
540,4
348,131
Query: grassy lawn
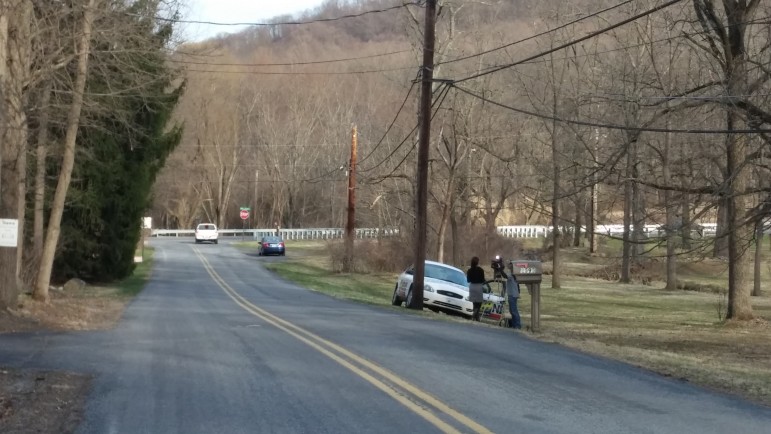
677,333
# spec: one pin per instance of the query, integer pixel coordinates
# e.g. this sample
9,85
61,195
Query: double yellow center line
415,399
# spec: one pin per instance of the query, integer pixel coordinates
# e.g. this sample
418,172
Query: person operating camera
511,291
475,276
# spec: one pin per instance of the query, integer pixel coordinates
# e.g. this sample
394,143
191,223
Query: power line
288,23
608,126
314,62
370,71
396,117
573,42
440,99
412,131
529,38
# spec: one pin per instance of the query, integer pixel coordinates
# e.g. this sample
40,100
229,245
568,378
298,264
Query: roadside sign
244,214
9,233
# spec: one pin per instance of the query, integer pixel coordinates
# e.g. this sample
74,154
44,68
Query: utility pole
350,224
254,207
415,301
593,241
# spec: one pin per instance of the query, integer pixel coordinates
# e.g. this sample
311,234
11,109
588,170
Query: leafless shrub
373,256
476,241
700,287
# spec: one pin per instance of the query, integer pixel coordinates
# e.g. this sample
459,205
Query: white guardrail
287,234
705,229
522,231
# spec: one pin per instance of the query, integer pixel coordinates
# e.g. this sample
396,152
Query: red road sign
244,214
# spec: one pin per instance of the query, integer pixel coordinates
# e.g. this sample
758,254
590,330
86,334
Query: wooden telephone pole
350,225
415,298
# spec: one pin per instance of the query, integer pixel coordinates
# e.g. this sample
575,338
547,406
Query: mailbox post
531,274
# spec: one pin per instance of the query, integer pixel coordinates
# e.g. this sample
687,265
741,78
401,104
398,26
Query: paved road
215,344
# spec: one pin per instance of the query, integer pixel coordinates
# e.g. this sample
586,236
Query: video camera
497,266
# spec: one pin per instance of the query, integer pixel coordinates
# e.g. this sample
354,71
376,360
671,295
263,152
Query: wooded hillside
660,117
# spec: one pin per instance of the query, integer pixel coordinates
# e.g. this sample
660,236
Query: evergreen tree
122,149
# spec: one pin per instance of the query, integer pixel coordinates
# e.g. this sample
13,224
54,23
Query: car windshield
447,274
206,227
271,240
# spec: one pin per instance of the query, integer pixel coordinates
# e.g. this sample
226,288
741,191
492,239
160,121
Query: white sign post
9,233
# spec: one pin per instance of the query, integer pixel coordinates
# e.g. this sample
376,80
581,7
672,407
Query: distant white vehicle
206,232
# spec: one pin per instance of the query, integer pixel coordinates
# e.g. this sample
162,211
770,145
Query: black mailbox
527,271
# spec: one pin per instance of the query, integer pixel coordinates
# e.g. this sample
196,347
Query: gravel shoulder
51,402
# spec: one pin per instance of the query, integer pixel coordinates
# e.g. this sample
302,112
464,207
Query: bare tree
68,159
725,32
15,22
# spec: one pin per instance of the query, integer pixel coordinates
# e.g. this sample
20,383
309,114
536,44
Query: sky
231,11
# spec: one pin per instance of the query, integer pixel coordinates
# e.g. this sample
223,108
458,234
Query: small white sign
9,233
147,222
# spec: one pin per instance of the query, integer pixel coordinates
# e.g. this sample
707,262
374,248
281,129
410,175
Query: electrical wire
315,62
321,73
393,122
287,23
396,149
573,42
608,126
442,96
529,38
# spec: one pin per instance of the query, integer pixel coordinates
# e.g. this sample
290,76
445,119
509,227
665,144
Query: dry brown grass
676,333
93,308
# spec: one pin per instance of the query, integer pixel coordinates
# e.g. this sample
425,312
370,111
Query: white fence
523,231
536,231
287,234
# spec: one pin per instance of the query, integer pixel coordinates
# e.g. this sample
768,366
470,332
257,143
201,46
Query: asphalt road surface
216,344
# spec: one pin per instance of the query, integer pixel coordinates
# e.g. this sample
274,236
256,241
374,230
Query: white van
206,232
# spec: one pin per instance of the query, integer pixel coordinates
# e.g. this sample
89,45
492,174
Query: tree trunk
446,212
556,279
740,235
638,212
68,159
556,282
626,256
685,213
580,205
15,17
454,229
41,153
756,290
721,236
670,217
738,179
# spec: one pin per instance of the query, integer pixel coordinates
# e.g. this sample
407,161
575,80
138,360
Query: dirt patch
41,402
53,402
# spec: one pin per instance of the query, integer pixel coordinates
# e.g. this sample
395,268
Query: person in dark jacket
511,290
476,279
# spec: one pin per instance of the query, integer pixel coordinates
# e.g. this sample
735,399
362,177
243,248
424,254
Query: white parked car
206,232
445,288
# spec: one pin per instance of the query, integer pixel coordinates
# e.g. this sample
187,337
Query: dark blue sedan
272,246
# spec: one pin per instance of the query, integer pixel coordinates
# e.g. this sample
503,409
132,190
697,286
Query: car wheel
409,297
197,242
216,242
395,300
